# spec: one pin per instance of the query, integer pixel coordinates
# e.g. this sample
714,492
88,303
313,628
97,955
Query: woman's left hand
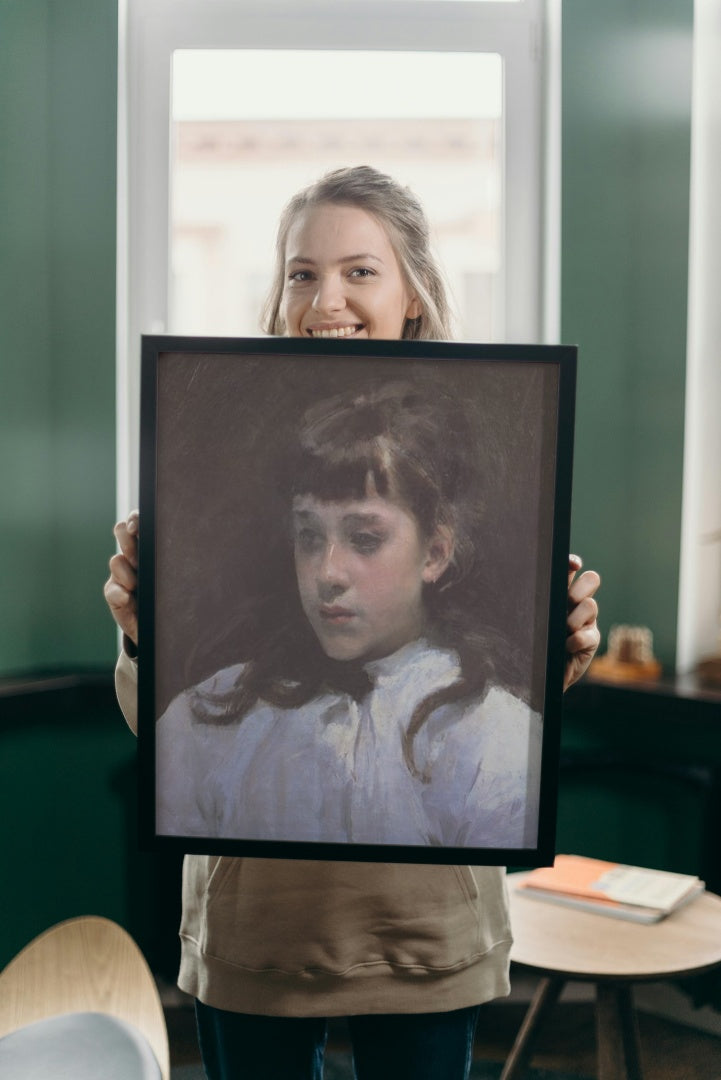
583,635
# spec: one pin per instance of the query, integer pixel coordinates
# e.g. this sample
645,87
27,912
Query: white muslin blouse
333,770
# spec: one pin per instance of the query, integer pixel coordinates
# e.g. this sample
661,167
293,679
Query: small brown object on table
563,944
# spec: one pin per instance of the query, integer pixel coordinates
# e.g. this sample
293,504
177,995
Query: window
227,107
236,161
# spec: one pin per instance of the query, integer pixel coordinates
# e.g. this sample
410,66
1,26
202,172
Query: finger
584,641
583,614
581,651
118,598
123,608
126,534
585,585
575,562
576,666
123,573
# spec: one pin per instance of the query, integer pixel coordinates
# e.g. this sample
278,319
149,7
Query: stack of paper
624,892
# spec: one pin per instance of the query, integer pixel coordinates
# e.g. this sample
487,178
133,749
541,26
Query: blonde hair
403,217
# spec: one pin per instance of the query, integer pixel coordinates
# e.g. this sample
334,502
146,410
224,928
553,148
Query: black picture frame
217,415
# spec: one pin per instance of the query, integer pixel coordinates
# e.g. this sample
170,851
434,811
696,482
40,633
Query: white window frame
699,597
526,34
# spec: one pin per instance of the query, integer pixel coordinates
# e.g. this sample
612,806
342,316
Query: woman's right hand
121,587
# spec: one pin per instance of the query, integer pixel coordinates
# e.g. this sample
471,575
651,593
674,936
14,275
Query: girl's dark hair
413,442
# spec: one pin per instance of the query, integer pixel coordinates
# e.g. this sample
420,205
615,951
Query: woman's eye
362,272
366,543
300,276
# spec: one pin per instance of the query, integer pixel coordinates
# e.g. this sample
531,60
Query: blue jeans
416,1046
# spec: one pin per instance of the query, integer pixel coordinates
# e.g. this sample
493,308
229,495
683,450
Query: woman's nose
329,297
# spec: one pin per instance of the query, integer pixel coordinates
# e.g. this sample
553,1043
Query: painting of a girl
375,706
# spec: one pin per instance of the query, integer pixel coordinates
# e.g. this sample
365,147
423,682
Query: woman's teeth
337,331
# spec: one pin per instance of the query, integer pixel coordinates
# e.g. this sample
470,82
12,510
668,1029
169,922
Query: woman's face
342,277
361,566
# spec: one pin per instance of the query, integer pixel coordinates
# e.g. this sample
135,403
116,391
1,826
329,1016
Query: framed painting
352,597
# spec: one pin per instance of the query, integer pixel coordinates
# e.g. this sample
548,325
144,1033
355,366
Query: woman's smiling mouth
335,331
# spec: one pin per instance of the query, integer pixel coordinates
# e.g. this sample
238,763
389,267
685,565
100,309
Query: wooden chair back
87,964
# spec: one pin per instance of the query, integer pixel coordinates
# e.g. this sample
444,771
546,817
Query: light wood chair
85,965
563,944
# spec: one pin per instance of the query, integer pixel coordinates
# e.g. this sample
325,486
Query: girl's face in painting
342,277
361,566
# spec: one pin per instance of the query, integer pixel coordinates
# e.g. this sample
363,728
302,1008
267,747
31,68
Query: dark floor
567,1043
669,1051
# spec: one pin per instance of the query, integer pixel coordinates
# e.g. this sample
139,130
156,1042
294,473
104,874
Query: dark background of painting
222,420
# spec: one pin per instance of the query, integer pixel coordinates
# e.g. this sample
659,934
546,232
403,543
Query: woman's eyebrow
362,256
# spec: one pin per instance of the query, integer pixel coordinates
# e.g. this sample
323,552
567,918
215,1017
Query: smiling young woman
270,948
408,297
343,278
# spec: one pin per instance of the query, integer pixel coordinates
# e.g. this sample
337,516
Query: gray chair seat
78,1046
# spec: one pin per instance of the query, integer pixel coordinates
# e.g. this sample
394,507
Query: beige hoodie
286,937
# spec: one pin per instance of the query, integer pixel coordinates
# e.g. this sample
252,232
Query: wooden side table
563,944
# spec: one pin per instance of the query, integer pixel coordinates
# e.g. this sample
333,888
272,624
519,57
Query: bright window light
238,155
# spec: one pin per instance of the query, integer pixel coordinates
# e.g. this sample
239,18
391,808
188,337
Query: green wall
58,72
66,759
626,145
626,126
626,134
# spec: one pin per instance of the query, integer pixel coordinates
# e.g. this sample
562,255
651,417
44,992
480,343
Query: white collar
427,665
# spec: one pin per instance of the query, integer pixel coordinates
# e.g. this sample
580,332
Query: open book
608,888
